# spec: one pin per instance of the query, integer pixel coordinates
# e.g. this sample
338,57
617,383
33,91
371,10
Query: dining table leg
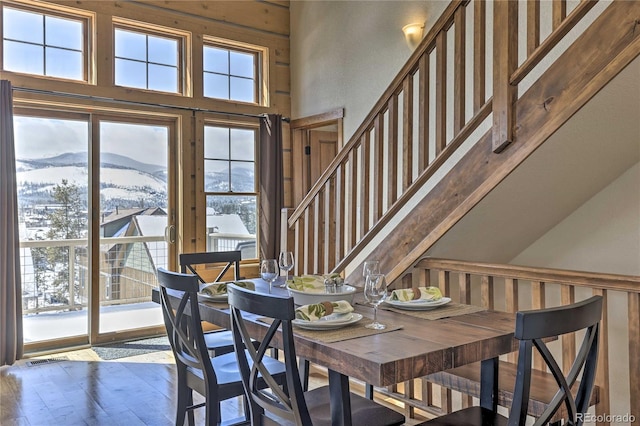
489,384
339,399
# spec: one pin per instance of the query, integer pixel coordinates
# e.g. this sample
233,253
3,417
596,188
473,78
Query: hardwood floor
85,390
82,389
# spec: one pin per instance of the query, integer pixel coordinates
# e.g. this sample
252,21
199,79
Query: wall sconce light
413,34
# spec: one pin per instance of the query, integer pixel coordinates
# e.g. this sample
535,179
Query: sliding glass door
95,213
52,166
134,219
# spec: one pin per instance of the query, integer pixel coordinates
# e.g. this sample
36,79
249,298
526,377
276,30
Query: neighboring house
113,222
228,232
129,270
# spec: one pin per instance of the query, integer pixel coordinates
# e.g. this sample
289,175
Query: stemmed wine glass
375,291
286,263
269,271
370,267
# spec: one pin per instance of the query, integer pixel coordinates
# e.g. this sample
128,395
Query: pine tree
69,221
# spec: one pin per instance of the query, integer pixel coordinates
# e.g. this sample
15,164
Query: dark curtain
271,185
10,284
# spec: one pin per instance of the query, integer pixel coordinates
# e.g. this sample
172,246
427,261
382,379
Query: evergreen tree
68,221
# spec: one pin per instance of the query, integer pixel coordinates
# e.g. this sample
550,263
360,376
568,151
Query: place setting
324,307
426,303
217,292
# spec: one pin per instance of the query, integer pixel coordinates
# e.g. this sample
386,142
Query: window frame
261,68
86,18
231,124
184,86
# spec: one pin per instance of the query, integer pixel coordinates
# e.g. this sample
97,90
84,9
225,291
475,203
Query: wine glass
370,267
285,261
269,271
375,291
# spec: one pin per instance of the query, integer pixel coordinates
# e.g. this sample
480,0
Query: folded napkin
316,311
217,289
310,283
423,293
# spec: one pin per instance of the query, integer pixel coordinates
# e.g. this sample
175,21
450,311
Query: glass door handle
170,234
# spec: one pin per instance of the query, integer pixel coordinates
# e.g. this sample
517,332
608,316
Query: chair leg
368,391
303,368
190,415
184,395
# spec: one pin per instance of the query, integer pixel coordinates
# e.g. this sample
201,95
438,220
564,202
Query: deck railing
433,105
60,281
511,288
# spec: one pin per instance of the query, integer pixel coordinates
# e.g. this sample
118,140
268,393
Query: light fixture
413,34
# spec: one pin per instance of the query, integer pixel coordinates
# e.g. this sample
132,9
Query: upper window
230,188
148,60
43,43
229,159
233,72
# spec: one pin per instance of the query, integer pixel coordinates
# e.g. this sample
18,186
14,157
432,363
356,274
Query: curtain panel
271,185
11,338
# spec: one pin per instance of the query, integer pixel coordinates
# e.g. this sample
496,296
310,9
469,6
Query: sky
42,138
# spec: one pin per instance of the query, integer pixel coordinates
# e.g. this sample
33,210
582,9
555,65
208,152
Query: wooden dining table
413,348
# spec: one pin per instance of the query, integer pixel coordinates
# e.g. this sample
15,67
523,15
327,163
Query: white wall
603,235
344,54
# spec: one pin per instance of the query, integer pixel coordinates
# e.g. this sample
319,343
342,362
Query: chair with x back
532,328
275,405
216,378
219,341
222,259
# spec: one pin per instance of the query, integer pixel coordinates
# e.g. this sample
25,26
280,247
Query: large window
146,60
233,72
46,44
230,188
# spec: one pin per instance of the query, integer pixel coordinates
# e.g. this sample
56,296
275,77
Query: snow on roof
123,213
149,226
226,224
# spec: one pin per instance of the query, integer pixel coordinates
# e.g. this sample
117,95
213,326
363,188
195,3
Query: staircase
439,139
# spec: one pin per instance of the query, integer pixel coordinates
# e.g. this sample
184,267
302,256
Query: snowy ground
53,325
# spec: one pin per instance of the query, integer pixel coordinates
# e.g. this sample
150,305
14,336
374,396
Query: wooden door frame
299,130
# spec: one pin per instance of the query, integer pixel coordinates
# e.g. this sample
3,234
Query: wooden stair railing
418,124
511,288
355,196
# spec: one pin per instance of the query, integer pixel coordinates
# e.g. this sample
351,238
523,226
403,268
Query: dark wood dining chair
218,341
216,378
532,327
291,405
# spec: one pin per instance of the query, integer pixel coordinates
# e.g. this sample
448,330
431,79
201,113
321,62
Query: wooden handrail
627,283
554,38
448,151
440,272
425,45
416,126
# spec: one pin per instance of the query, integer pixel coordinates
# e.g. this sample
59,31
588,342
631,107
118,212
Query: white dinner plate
327,324
217,298
417,305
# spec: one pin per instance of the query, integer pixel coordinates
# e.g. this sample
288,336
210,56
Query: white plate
337,318
417,305
326,325
210,298
301,298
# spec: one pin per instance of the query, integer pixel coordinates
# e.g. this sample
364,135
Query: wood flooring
82,389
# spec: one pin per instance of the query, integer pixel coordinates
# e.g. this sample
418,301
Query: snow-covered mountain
124,182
